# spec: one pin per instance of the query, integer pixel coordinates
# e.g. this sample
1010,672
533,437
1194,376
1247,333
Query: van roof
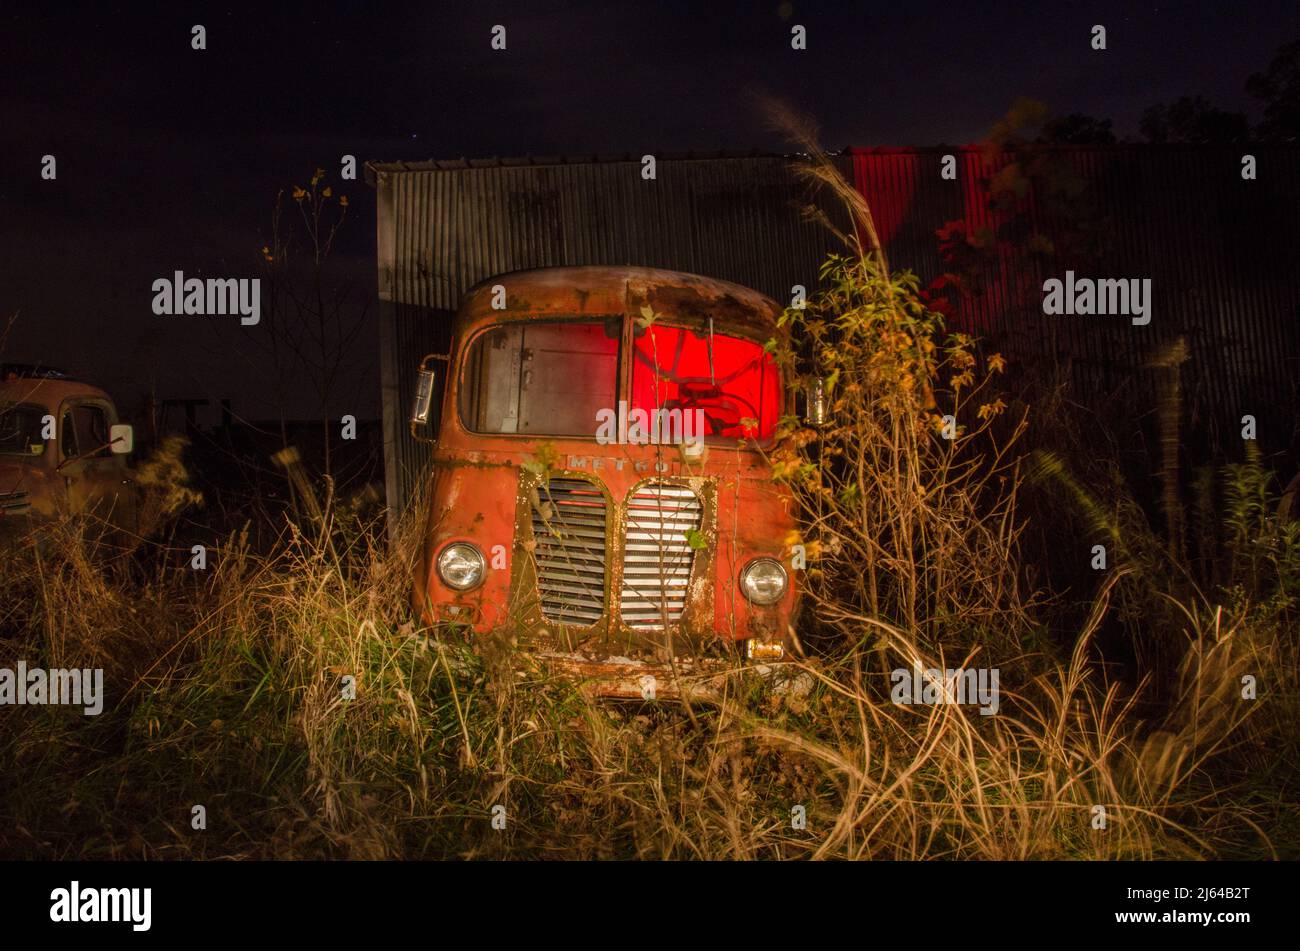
553,291
49,392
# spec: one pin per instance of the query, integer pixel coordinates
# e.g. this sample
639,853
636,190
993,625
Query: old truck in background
621,561
62,452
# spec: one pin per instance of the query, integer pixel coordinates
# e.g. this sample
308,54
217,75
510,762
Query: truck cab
601,496
62,452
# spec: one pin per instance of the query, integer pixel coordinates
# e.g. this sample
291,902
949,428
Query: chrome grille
14,502
569,529
657,558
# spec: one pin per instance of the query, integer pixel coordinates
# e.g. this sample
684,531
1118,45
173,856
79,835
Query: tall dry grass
227,692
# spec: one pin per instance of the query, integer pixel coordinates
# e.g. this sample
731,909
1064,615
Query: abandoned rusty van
62,452
600,494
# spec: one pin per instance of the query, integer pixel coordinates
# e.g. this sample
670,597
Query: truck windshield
544,377
20,429
733,381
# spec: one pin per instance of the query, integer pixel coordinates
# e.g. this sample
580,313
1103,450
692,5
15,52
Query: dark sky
170,158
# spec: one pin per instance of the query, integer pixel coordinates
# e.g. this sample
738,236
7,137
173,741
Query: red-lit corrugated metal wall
1219,250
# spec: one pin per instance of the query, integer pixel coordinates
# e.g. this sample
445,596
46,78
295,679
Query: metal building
445,226
1216,247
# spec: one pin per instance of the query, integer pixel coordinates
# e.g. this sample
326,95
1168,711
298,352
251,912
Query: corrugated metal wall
1219,250
443,227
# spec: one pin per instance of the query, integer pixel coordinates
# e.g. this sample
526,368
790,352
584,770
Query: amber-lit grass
225,691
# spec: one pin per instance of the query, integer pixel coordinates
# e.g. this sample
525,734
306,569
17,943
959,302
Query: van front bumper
698,679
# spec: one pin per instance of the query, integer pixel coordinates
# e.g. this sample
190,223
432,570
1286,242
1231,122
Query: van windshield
20,429
732,381
557,378
543,377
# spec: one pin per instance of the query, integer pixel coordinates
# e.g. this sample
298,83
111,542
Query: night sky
169,158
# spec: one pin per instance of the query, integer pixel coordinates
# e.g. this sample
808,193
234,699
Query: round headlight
764,581
461,566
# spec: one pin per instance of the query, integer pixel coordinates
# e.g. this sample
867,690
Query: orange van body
611,559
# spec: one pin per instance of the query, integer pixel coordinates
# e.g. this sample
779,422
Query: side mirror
422,404
423,397
815,411
121,437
